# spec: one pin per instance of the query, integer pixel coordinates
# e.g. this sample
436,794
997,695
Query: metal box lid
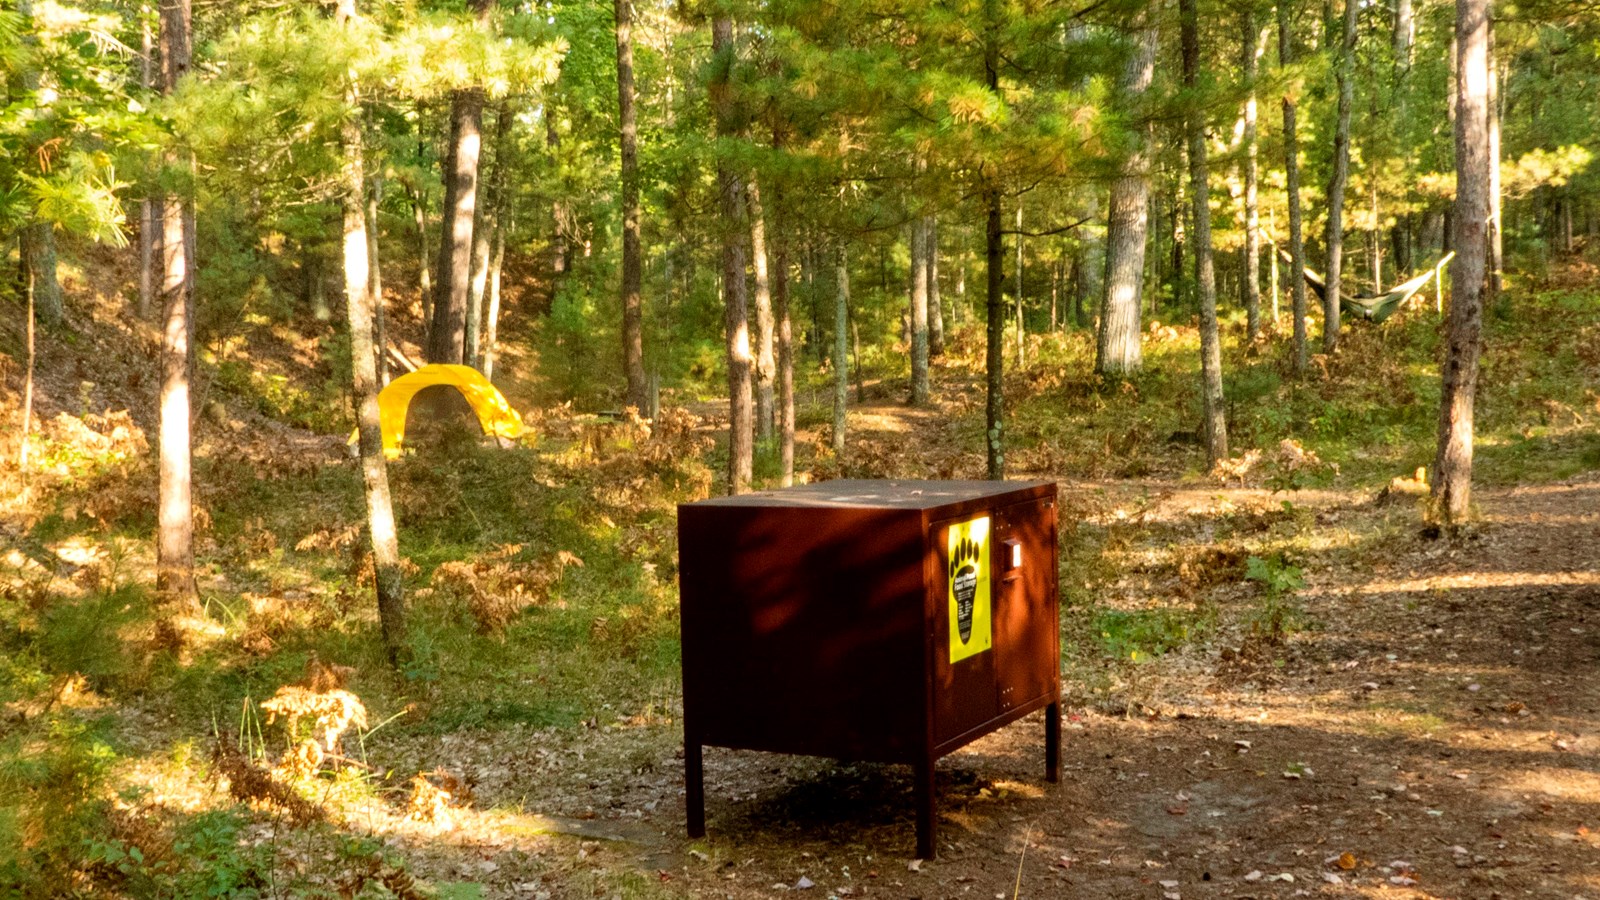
852,493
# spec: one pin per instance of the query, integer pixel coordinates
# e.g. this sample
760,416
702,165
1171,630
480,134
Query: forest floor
1280,682
1430,727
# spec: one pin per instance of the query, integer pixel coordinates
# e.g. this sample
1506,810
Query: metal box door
1026,629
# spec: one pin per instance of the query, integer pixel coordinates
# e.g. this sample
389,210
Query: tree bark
1452,480
765,364
1017,286
935,305
1252,212
1496,224
1333,237
452,287
736,320
780,302
841,350
919,312
149,220
497,258
419,211
994,277
1291,163
632,252
1216,424
360,302
175,518
380,320
1117,348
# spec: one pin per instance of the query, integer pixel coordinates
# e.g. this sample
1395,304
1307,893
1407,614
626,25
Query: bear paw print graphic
964,584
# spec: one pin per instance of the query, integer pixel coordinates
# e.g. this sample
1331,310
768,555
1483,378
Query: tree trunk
419,211
1452,479
497,258
1496,223
39,261
360,302
1022,332
1216,424
919,312
765,364
380,320
148,218
994,367
1117,349
452,287
632,253
841,350
27,392
780,302
994,278
1291,162
175,518
1252,212
935,305
736,321
1333,238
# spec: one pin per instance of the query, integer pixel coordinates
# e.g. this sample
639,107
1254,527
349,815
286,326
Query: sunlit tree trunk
765,364
632,252
736,321
38,239
497,258
452,288
380,319
1117,349
1216,425
175,525
1291,163
1496,225
1452,478
1333,238
1252,212
919,312
149,220
935,304
360,302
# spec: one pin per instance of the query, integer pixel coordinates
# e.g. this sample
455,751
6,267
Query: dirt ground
1433,732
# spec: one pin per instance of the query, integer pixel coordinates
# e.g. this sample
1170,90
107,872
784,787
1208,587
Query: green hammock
1375,308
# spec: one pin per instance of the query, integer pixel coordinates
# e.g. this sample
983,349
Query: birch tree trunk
1452,477
1291,164
1216,424
765,365
360,302
736,319
1340,178
1117,348
632,252
175,518
380,320
1252,212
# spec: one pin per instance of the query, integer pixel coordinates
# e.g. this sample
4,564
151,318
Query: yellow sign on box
967,571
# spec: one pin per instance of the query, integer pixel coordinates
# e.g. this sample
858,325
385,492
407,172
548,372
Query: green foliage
1140,635
1279,613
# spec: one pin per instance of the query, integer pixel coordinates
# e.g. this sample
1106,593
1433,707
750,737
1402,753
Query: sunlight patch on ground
1479,580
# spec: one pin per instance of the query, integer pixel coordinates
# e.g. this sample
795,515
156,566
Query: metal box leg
1052,742
694,783
927,815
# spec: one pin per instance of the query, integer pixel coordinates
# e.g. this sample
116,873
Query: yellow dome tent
494,413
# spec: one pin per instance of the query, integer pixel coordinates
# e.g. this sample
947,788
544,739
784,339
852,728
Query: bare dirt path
1434,731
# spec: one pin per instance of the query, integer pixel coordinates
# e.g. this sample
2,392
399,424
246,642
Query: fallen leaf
804,884
915,865
1346,861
